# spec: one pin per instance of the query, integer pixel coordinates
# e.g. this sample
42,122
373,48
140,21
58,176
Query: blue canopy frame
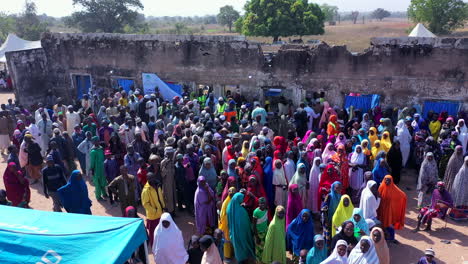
33,236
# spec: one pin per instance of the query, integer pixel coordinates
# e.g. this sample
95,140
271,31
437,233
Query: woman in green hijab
275,242
240,230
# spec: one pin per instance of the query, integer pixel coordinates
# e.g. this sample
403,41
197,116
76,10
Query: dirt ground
409,250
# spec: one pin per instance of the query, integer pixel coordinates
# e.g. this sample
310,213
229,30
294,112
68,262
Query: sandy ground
409,250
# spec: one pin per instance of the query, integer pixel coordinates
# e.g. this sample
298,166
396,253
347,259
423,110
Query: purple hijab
295,205
204,213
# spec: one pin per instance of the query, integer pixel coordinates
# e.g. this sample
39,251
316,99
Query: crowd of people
315,181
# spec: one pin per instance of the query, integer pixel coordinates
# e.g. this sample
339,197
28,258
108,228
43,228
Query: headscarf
374,137
74,195
168,246
294,204
280,144
334,201
333,126
316,255
268,181
370,257
428,174
379,172
386,142
240,229
300,234
340,141
392,207
210,174
381,247
335,258
232,172
128,210
204,211
357,174
211,255
369,203
342,213
366,124
454,165
275,244
227,187
301,181
459,189
362,224
377,150
327,154
223,218
314,181
245,150
289,168
15,190
279,177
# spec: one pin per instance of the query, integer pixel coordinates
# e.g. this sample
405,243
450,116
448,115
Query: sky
59,8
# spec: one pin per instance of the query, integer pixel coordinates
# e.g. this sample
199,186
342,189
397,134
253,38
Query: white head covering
335,258
168,245
279,177
370,257
369,203
327,153
459,189
314,181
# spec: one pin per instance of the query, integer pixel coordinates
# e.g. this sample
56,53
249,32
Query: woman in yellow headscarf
385,141
245,149
376,149
223,224
373,136
343,212
366,149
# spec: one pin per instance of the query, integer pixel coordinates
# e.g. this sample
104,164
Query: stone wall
400,75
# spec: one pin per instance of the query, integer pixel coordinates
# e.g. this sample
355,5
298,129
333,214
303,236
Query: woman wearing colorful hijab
318,252
341,161
294,203
392,205
314,181
441,201
280,184
333,127
16,185
329,176
268,181
328,152
378,237
341,139
208,171
74,195
168,244
240,230
329,206
257,168
339,254
359,222
373,135
245,149
231,171
205,209
275,244
300,233
300,179
428,176
356,172
365,253
231,182
366,122
343,212
385,141
380,171
280,144
223,224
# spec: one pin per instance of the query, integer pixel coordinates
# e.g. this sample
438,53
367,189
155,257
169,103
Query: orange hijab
333,127
393,204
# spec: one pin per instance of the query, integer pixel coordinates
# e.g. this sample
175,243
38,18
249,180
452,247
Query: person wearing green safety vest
220,107
201,98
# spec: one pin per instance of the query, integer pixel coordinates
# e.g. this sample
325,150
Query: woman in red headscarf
277,155
329,176
280,144
392,204
16,185
333,127
340,158
254,192
231,182
257,169
231,154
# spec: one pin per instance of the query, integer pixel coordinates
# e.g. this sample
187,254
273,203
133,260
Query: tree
330,12
28,25
7,25
380,14
441,16
227,16
105,15
277,18
354,16
179,28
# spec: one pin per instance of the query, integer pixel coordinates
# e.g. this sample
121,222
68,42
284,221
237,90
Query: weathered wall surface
29,73
400,76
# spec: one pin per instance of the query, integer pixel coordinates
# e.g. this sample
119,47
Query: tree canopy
27,24
330,12
380,14
112,16
441,16
227,16
275,18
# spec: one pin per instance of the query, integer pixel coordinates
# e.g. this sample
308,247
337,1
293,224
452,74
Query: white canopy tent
420,31
15,43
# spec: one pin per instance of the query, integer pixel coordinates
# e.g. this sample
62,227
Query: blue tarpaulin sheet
363,102
33,236
151,81
175,87
441,106
83,84
125,84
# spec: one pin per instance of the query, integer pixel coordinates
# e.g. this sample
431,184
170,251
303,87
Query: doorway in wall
82,84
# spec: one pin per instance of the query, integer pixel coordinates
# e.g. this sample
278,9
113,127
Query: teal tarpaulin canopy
33,236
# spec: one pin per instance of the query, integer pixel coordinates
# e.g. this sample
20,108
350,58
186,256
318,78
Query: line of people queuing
258,185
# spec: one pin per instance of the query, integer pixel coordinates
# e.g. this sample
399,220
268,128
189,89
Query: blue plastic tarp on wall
151,81
451,108
33,236
83,84
363,102
175,87
125,84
